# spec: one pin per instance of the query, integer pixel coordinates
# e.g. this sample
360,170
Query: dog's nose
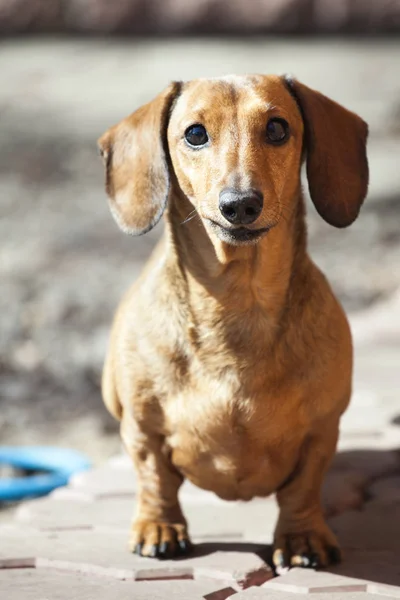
240,208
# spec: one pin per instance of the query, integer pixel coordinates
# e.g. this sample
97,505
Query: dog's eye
196,135
277,131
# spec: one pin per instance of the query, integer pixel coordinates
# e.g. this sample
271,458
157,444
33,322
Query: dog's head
234,146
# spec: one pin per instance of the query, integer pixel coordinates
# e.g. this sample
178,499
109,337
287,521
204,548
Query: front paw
156,539
315,547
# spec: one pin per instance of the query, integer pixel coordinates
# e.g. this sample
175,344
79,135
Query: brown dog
230,360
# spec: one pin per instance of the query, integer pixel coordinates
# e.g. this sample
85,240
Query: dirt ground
64,264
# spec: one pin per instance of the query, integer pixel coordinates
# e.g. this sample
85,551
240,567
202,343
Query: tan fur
230,364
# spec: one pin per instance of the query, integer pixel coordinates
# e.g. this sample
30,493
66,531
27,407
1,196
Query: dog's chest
227,441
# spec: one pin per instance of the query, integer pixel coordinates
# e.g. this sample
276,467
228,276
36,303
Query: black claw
283,563
164,550
185,546
315,561
335,555
307,562
138,549
154,551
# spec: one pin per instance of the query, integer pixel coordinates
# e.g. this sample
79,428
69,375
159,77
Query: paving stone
370,540
64,511
118,478
191,494
375,528
349,482
69,494
104,552
369,463
343,491
263,594
364,414
40,584
392,431
380,441
307,581
379,320
376,373
384,590
256,593
379,565
386,489
107,480
254,520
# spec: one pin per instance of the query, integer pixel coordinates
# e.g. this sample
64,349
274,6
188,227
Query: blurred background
70,69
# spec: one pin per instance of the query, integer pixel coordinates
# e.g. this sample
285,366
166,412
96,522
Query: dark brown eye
196,135
277,131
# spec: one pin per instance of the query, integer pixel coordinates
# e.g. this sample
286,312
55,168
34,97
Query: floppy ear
136,159
337,165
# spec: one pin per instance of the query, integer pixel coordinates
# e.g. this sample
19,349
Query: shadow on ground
369,536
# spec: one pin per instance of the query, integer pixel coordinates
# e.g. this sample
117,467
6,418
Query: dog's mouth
238,235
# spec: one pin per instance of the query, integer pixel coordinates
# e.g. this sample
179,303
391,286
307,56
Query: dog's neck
237,277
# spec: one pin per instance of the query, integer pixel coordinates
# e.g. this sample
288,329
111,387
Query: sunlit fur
230,363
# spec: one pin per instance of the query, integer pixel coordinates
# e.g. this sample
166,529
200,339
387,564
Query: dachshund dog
230,359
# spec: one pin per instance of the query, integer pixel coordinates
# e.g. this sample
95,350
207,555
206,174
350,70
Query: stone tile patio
73,543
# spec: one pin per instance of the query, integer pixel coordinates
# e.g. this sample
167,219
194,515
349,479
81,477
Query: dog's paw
155,539
312,549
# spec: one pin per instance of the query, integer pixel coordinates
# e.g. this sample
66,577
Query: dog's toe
164,550
185,546
159,540
137,549
310,550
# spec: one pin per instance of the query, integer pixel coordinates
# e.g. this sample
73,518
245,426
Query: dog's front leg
159,527
302,537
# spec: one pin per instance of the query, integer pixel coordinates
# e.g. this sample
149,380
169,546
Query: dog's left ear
337,165
136,158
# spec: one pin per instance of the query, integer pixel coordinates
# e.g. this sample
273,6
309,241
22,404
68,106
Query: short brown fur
230,363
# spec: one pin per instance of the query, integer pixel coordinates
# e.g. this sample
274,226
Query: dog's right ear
136,159
336,145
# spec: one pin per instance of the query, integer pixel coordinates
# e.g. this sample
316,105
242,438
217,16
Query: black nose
240,208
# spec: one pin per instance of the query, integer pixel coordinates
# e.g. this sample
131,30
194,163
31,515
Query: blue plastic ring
59,465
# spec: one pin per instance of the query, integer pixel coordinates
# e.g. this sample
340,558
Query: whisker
190,216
